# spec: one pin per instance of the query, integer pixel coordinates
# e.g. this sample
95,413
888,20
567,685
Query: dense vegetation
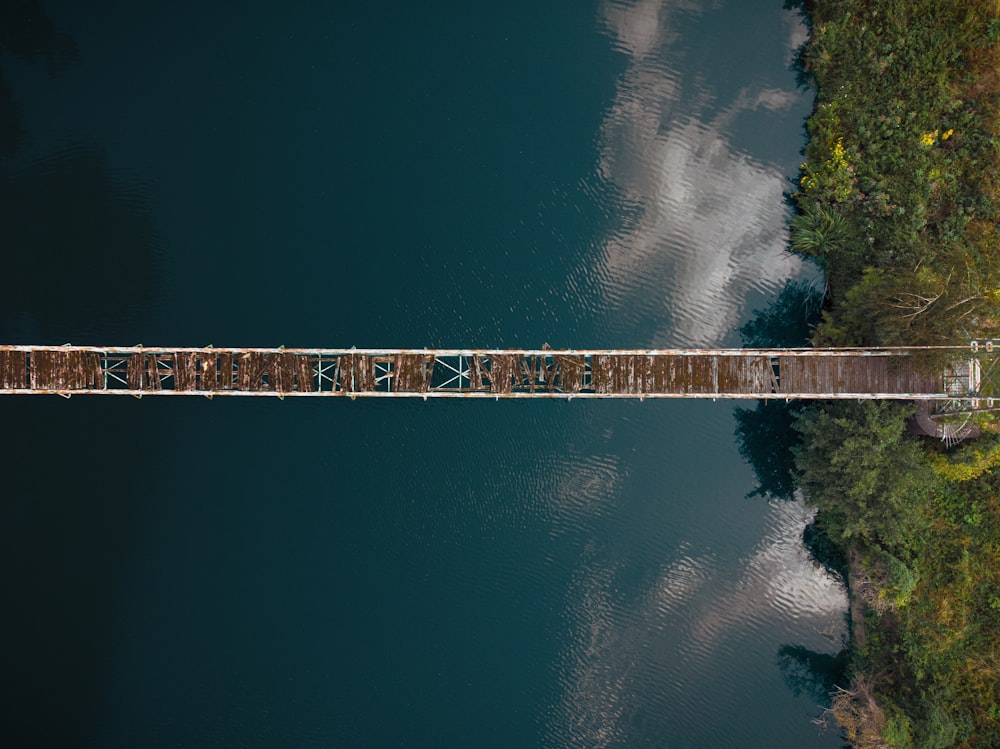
899,201
897,195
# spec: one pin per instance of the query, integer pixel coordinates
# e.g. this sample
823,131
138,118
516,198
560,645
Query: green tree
863,472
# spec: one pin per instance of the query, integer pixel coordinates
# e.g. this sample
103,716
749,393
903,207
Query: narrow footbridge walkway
951,373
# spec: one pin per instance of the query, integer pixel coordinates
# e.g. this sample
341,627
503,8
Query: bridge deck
486,373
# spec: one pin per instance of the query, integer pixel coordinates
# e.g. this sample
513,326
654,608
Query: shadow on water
66,536
10,126
79,243
803,77
78,251
789,321
808,672
80,248
28,33
824,552
764,434
766,437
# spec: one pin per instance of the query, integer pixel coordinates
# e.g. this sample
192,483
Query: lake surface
182,572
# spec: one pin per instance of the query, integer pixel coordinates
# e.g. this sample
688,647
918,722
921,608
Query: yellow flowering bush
834,178
929,139
970,464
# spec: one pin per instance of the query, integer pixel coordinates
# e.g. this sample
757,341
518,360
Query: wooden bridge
873,373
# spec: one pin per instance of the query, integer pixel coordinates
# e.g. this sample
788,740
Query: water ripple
636,657
709,223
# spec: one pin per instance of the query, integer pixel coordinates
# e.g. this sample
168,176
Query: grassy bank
899,201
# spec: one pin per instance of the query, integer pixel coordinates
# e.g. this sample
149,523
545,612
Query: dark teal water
223,573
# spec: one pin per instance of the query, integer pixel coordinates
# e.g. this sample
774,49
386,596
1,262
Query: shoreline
893,205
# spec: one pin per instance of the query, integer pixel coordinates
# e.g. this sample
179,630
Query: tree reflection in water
764,434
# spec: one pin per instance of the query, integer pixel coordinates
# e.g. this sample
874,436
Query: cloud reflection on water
711,220
704,226
663,656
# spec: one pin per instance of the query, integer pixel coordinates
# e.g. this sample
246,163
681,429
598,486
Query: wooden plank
92,366
429,362
347,375
364,373
600,373
358,373
225,368
701,376
13,370
65,371
72,373
152,373
281,372
304,380
476,371
776,378
633,374
260,370
289,368
731,374
794,377
273,374
402,374
136,374
41,370
244,374
410,373
208,374
656,372
185,371
502,368
642,373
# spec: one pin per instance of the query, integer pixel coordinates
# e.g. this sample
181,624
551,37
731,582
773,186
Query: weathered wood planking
695,374
856,374
411,373
227,372
59,370
572,370
14,370
304,380
755,373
